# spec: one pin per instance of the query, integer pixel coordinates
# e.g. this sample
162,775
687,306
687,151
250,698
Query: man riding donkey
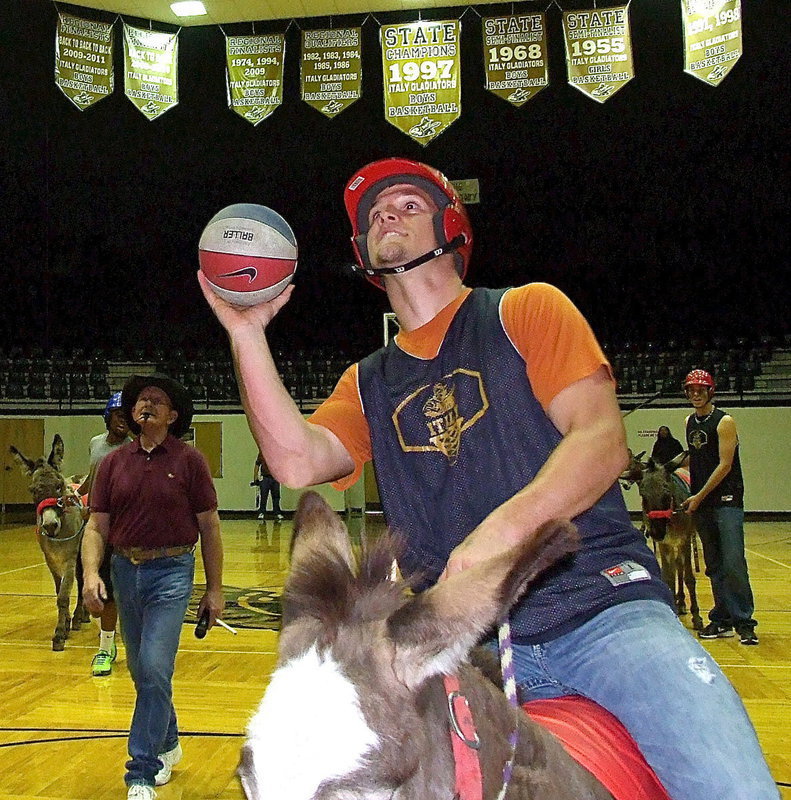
490,413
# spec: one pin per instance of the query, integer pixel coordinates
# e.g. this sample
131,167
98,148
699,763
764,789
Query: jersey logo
698,439
434,417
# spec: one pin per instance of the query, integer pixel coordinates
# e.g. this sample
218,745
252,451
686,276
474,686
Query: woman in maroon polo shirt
151,500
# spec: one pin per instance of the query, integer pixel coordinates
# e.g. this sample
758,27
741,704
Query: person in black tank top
717,504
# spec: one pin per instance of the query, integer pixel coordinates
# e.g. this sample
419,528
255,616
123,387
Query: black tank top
703,442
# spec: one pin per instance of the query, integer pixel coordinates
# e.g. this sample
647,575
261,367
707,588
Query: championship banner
254,74
84,60
515,56
712,37
598,50
331,69
422,81
151,70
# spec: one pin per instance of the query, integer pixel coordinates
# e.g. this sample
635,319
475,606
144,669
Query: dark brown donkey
59,525
357,710
672,530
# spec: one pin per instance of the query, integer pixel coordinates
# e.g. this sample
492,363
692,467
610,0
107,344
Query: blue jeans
639,662
721,532
152,599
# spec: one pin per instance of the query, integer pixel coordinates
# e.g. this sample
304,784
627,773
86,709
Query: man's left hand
481,544
691,504
215,603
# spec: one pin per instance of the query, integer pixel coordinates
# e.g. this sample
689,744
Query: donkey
357,709
59,526
672,530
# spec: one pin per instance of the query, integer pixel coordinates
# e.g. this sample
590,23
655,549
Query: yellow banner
254,74
151,70
84,60
515,56
422,83
331,69
598,50
712,37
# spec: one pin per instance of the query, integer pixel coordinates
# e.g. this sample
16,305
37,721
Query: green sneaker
102,663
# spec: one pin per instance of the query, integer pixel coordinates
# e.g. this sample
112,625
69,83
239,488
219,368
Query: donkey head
659,493
341,718
46,481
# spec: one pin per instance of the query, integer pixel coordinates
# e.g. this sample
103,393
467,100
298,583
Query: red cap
699,377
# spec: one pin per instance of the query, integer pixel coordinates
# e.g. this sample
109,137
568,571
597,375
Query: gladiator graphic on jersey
435,416
698,439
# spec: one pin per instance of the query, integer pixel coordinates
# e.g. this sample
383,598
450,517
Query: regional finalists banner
598,50
422,82
151,70
254,74
84,60
712,37
331,69
515,56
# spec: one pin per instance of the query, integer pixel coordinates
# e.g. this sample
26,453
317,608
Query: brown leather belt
139,555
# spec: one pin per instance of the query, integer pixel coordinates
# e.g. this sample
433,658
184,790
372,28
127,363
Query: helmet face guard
450,221
699,377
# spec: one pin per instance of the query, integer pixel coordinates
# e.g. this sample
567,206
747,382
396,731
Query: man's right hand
94,594
234,318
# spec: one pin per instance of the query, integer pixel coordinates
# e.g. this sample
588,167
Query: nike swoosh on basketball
250,272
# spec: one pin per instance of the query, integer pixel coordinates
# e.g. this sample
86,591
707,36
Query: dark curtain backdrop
662,213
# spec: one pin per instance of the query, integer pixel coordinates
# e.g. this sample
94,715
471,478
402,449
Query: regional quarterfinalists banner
84,60
422,82
151,70
598,50
254,74
712,37
331,69
515,56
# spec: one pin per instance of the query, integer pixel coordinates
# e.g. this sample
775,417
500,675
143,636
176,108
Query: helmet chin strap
454,244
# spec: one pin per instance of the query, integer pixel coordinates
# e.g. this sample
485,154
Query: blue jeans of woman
638,661
722,534
152,599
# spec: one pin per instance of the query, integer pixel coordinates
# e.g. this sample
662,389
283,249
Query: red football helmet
449,222
699,377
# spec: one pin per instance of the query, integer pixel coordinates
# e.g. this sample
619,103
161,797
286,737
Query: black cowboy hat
179,399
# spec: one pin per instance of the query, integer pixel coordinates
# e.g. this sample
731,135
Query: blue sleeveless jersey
456,436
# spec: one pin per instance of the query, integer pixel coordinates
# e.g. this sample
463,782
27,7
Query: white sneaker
169,760
140,791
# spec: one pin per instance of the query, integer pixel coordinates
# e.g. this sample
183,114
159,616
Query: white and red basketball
249,253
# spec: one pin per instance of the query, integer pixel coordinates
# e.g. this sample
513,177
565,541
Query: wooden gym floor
63,732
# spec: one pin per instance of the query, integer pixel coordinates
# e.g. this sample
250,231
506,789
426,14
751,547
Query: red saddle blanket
598,741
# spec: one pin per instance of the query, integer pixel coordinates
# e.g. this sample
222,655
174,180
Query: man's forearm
93,546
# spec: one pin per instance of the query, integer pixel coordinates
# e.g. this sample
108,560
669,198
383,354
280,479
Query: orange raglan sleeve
553,337
342,413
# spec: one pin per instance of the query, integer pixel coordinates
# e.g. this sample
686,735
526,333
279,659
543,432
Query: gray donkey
357,709
59,525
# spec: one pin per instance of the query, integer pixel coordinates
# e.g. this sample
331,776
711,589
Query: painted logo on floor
244,608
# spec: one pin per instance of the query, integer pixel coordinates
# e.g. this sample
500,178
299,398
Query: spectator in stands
489,414
262,478
98,448
666,446
717,504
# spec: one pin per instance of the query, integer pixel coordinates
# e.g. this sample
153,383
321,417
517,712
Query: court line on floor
19,569
768,558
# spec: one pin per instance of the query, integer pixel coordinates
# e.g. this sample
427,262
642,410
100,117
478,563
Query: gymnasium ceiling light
188,8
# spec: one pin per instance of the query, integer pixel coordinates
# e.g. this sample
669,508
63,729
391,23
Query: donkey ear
435,632
675,462
316,528
25,464
56,455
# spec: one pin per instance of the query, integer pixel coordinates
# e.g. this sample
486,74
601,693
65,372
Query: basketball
249,253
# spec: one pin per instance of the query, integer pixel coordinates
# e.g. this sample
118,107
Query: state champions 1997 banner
84,60
254,74
422,82
598,50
